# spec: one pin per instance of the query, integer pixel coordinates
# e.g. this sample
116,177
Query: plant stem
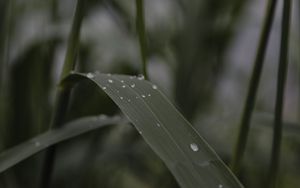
54,11
298,63
140,25
63,93
252,90
4,68
281,79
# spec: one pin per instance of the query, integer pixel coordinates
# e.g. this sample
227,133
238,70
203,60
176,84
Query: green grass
189,157
176,132
281,81
63,93
253,87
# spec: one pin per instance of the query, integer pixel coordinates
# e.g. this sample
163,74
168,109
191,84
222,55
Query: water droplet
37,144
132,77
220,186
144,96
122,81
110,81
204,164
121,98
141,77
136,97
104,88
90,75
132,85
154,86
128,100
149,95
194,147
123,86
140,132
158,124
117,91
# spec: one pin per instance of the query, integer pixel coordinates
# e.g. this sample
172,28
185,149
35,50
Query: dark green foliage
199,53
189,158
253,85
36,144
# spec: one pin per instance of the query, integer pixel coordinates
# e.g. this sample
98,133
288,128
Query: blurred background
201,55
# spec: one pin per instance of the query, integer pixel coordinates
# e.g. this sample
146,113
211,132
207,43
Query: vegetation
173,78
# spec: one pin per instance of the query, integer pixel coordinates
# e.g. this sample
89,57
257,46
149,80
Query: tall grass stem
4,68
253,87
63,93
281,79
140,26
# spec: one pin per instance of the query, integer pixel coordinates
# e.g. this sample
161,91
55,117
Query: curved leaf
24,150
191,160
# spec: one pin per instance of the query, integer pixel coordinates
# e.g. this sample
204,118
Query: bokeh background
199,52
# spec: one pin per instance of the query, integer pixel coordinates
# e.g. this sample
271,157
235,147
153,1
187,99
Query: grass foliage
190,64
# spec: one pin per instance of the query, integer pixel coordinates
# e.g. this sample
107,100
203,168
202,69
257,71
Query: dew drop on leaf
143,96
154,86
90,75
220,186
132,85
110,81
141,77
205,164
123,86
194,147
37,144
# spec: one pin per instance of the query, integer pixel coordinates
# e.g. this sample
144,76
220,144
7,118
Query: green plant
189,47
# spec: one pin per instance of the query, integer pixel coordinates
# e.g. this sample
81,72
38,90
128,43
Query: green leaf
24,150
191,160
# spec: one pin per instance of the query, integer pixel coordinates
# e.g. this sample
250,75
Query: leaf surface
26,149
191,160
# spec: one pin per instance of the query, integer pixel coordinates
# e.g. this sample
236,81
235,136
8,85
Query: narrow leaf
191,160
21,152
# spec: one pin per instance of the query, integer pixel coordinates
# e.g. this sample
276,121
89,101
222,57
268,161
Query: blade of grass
281,79
253,86
4,68
63,92
191,160
140,25
54,10
298,62
19,153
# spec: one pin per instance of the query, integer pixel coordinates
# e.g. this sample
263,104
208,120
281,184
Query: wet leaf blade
26,149
191,160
